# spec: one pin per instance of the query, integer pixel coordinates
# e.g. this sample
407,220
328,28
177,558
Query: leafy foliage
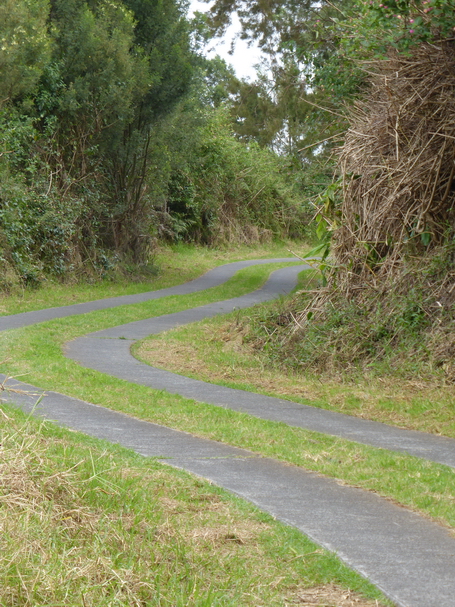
404,330
300,87
86,82
228,191
110,138
24,46
399,24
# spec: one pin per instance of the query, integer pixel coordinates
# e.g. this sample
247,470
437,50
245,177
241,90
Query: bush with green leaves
399,24
229,191
25,46
362,30
84,85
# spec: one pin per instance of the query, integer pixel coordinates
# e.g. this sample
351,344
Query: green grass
397,330
89,524
173,265
36,351
223,350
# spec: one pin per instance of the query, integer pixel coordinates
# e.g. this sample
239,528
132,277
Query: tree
86,84
117,68
299,89
24,46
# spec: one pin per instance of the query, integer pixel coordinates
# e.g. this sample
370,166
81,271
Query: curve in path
212,278
108,351
410,558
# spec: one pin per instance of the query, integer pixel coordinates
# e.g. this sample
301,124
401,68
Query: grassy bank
88,524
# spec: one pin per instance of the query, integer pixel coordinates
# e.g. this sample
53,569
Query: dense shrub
229,191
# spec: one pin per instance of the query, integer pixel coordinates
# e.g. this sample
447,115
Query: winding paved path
410,558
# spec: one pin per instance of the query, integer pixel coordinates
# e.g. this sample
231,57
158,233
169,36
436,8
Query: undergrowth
404,329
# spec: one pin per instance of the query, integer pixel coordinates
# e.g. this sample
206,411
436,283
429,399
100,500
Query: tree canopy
107,110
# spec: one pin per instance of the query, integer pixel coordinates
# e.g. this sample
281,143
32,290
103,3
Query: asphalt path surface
411,559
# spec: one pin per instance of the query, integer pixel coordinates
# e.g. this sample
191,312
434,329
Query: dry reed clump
393,253
398,163
231,230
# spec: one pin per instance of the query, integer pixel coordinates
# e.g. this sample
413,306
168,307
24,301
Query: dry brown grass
196,359
330,595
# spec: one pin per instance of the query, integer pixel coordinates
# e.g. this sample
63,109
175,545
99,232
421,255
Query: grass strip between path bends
36,351
175,265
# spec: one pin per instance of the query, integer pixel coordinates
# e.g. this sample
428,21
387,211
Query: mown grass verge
421,485
224,350
172,265
89,524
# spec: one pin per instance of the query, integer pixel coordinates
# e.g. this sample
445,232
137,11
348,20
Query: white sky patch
244,57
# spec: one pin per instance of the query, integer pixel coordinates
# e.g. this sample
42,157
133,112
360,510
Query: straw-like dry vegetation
398,163
389,301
